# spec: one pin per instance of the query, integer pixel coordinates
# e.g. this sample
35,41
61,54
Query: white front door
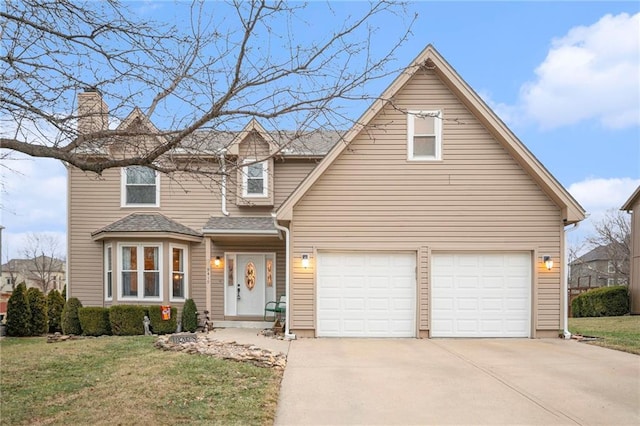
249,283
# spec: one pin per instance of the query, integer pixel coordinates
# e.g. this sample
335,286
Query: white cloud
34,199
591,73
597,196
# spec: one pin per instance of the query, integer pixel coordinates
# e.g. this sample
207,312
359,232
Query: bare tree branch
228,63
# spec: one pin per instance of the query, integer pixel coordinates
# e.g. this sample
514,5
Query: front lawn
621,333
125,380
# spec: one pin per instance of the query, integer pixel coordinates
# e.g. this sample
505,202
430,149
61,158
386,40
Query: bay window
140,271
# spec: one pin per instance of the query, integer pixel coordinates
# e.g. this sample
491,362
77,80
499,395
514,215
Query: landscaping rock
208,345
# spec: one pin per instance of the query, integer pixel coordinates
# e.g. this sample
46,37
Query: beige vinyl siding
634,266
477,198
94,202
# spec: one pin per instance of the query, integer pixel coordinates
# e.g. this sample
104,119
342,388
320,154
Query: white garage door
480,295
366,295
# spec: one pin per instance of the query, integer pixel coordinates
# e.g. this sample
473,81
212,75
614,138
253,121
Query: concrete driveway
447,381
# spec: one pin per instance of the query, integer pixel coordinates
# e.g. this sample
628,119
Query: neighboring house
34,272
633,206
429,218
598,268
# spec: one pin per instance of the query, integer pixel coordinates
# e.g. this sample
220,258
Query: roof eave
628,205
102,235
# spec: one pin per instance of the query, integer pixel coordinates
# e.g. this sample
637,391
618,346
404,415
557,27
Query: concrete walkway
251,336
446,381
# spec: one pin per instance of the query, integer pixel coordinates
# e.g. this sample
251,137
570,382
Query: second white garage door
366,294
480,295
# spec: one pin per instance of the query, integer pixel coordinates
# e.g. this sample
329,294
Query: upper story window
255,179
140,187
424,135
611,268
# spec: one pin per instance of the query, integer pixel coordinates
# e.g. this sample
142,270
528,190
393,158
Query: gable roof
572,212
253,126
58,265
152,224
598,253
628,206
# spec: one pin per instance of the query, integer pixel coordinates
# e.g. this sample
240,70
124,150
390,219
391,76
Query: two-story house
42,272
427,218
599,267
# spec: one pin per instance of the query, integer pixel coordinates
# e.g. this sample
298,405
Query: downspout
565,280
223,170
284,229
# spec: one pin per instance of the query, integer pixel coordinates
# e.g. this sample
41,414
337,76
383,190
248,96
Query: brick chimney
93,112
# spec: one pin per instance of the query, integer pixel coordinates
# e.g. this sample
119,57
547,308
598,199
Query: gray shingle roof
147,222
316,143
240,225
598,253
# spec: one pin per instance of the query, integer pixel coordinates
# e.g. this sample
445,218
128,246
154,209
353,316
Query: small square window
255,179
424,135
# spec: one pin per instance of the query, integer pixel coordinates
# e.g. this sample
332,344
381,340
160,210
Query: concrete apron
458,381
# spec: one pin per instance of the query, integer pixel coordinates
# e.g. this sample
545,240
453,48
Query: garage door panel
376,294
499,306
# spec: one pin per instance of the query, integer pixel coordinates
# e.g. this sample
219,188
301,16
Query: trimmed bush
64,293
18,312
601,302
160,326
127,320
55,305
94,321
189,316
70,321
39,317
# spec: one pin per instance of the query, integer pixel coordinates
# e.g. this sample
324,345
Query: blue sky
564,76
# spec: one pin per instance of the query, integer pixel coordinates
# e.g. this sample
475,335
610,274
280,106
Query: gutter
565,283
223,169
284,229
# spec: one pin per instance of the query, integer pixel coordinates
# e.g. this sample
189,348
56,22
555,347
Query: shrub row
601,302
31,313
72,318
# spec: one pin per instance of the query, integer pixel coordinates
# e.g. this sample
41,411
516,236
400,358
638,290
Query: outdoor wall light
215,263
305,261
547,262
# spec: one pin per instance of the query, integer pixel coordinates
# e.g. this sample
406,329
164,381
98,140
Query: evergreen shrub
127,320
39,316
94,321
18,312
70,321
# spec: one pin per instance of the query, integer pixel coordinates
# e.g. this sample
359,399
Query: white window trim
265,178
140,270
437,126
108,268
185,261
123,190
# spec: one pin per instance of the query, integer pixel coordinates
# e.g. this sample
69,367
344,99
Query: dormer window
255,179
424,135
140,187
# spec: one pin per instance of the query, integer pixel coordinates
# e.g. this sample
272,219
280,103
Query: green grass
125,380
621,333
